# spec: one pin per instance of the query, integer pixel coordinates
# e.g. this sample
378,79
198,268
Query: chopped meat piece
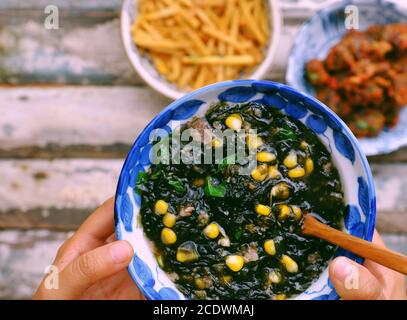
368,124
400,89
378,49
203,218
316,72
364,77
339,58
201,125
330,97
251,254
186,211
397,35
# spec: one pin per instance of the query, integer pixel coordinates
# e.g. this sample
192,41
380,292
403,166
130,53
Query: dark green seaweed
229,199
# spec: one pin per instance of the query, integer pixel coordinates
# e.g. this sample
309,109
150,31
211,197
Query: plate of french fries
178,46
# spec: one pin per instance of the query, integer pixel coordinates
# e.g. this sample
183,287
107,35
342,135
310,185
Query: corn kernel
226,279
284,212
260,173
234,122
290,265
291,160
212,230
199,283
275,277
309,165
281,296
265,156
262,210
273,172
160,261
201,294
281,191
169,220
216,143
304,145
187,252
270,247
161,207
254,141
168,236
297,212
234,262
296,173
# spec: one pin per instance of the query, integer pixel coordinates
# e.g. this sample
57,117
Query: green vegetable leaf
238,234
176,184
156,173
142,178
214,190
287,134
227,161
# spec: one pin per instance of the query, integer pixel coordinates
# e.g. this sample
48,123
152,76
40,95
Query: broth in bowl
228,229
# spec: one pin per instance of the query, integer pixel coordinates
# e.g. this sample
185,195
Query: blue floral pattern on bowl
346,153
318,35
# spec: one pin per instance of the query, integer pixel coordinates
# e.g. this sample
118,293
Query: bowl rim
260,72
370,219
290,75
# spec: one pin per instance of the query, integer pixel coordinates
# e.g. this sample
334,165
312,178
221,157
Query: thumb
91,267
353,281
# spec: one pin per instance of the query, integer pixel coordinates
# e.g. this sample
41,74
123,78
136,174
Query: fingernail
121,251
341,268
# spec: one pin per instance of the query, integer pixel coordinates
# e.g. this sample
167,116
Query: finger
111,238
90,235
353,281
88,269
375,268
117,287
392,282
99,224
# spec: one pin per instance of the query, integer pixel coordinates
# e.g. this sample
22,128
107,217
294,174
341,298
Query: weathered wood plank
59,194
59,184
77,54
87,50
44,218
83,122
53,151
71,5
23,259
390,184
75,115
394,157
37,249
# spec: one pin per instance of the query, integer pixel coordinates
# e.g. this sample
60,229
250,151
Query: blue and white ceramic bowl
346,153
318,35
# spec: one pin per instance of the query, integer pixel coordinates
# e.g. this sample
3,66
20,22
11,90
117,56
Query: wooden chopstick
388,258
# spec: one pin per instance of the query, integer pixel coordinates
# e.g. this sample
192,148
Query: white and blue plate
346,153
326,28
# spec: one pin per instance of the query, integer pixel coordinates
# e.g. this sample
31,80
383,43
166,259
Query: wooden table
70,108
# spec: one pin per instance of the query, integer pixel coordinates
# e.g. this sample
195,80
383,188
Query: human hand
373,281
92,264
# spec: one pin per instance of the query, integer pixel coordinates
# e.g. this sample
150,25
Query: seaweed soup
221,234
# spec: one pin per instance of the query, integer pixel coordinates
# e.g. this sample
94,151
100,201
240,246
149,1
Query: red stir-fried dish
364,78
